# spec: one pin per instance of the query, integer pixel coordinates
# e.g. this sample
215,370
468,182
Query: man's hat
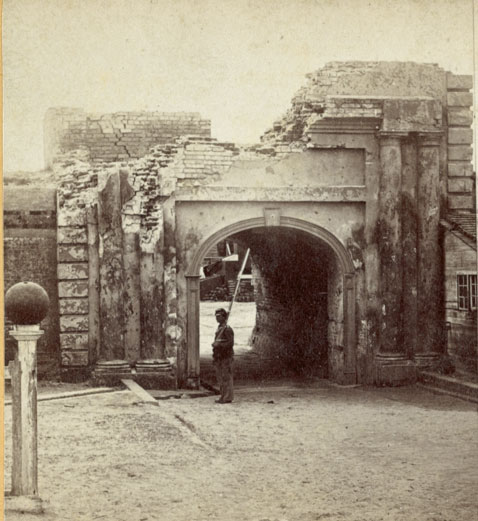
221,311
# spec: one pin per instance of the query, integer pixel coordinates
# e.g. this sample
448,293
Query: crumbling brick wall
355,79
148,214
91,156
117,136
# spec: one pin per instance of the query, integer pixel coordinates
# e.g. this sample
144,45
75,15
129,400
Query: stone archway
344,263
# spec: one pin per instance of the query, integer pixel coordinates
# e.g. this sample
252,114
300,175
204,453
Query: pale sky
237,62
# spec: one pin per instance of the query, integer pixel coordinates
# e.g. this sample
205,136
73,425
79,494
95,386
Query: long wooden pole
238,283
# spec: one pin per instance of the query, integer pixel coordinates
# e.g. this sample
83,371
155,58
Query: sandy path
316,452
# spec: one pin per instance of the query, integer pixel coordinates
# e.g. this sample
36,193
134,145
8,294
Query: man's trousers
224,378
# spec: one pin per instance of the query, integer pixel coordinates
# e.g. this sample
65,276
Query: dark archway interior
292,272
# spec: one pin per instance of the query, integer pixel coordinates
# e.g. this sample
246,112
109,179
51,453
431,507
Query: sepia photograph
240,260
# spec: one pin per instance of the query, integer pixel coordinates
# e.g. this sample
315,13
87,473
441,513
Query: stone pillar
409,245
26,305
93,285
192,363
132,296
350,342
152,343
153,370
392,364
170,319
111,271
430,303
24,411
390,244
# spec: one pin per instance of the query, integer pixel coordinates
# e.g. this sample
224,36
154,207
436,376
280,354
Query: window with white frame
467,291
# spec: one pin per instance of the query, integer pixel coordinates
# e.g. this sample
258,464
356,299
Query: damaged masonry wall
353,146
143,308
111,260
340,89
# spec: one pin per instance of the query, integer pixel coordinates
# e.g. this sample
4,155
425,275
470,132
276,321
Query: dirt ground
282,452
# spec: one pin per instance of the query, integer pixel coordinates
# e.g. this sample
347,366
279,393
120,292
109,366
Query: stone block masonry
461,178
75,180
117,136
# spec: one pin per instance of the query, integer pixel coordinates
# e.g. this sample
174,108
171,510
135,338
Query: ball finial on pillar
26,303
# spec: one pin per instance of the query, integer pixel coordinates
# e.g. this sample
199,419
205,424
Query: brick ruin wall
46,237
118,136
150,179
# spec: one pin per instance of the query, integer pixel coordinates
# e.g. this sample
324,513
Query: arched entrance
347,284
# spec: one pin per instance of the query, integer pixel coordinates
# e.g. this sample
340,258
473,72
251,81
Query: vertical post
26,305
24,411
93,285
170,308
392,364
409,241
350,362
193,331
111,270
152,344
390,244
132,294
430,303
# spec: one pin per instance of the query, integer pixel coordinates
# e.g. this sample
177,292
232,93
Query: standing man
223,355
